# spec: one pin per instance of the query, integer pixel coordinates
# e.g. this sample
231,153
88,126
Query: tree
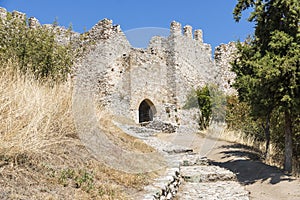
268,64
201,99
204,103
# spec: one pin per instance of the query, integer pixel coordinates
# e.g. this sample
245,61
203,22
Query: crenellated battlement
104,29
62,35
32,21
198,35
188,31
176,30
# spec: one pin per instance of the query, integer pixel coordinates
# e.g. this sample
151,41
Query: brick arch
147,111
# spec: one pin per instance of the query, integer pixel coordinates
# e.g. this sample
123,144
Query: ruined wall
32,21
137,75
100,71
120,77
165,72
193,62
15,14
193,66
224,54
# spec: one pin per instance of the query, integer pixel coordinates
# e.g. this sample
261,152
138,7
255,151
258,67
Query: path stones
161,126
188,176
209,182
220,190
193,159
164,187
148,136
198,174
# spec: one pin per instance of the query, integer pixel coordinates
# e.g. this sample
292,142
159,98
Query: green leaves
34,50
201,99
270,61
268,66
241,6
280,42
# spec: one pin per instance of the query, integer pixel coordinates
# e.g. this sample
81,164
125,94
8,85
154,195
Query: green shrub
201,99
35,50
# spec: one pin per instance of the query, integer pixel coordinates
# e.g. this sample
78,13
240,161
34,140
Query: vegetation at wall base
200,98
245,128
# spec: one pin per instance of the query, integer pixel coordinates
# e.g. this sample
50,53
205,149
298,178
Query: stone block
198,174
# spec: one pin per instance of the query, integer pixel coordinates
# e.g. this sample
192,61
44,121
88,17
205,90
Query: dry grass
122,139
41,156
275,156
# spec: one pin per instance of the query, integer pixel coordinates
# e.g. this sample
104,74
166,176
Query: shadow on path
246,163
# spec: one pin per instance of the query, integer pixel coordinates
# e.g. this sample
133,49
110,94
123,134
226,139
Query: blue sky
214,17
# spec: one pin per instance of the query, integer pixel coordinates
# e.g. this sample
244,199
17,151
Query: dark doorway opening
146,111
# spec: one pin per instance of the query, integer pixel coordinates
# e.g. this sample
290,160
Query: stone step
193,159
221,190
148,136
198,174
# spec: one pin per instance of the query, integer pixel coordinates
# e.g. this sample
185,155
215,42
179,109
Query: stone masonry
3,13
224,54
160,76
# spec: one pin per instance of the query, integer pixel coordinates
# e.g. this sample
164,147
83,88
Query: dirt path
264,182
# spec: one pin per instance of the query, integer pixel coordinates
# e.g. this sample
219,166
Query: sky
214,17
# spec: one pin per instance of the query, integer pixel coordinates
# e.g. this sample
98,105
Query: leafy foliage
268,65
218,104
201,99
35,50
205,105
238,117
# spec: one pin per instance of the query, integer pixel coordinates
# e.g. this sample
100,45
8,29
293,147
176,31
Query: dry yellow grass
41,156
122,139
275,156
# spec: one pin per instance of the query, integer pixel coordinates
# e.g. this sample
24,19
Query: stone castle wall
224,55
119,77
164,73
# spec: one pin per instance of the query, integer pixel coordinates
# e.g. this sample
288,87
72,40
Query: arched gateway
146,111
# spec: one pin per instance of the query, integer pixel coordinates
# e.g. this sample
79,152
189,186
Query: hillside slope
41,156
